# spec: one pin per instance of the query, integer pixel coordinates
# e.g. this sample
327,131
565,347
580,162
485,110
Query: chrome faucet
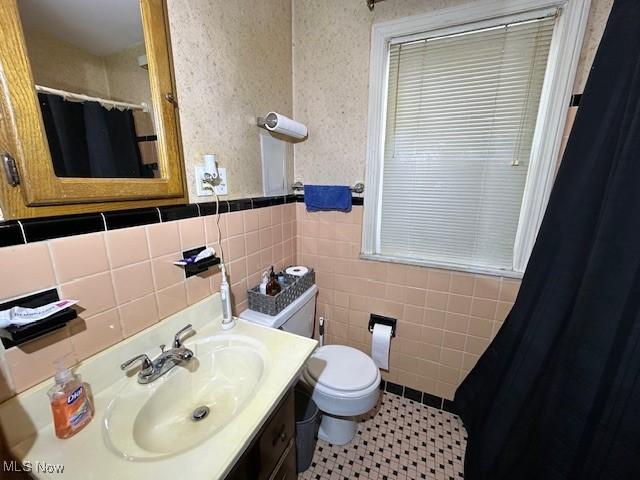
154,369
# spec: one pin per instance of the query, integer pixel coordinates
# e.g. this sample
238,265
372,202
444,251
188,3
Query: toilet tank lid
276,321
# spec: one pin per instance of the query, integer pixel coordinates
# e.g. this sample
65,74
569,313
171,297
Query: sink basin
189,404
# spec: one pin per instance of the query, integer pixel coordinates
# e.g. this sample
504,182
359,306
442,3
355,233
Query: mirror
89,65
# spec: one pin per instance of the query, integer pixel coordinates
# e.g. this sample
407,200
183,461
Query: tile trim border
20,232
11,234
417,396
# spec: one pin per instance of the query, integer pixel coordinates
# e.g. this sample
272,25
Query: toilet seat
344,381
341,369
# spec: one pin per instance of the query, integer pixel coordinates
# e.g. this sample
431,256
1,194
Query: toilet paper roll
380,345
276,122
297,271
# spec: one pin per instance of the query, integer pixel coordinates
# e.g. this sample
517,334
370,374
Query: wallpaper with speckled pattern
331,74
232,62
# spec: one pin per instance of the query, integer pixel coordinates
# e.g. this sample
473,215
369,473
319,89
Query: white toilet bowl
344,383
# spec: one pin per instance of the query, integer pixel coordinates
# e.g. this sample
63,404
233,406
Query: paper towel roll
380,345
297,271
278,123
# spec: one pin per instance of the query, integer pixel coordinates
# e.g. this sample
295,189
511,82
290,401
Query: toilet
344,381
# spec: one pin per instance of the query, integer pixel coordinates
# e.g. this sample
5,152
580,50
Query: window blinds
461,113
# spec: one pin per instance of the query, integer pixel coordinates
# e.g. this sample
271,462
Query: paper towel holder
391,322
270,122
262,122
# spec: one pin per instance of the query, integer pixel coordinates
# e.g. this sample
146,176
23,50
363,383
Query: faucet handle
147,365
177,343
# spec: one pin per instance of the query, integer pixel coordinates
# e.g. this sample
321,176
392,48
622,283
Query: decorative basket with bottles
292,287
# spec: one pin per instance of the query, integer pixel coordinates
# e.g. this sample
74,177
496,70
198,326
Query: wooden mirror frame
22,135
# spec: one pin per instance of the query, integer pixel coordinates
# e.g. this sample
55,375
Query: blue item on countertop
319,198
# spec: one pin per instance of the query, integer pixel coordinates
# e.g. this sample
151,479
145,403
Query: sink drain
200,413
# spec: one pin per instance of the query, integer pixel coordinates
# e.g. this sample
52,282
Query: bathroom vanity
226,413
272,454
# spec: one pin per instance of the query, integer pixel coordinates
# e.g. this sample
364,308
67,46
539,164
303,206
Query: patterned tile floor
400,439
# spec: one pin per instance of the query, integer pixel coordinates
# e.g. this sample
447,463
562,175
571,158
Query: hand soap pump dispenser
263,283
70,403
228,321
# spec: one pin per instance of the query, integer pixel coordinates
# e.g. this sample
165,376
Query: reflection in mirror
90,69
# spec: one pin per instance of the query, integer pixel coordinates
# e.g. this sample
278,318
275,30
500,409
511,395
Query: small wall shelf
198,267
15,335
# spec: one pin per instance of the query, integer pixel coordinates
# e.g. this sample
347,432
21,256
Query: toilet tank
296,318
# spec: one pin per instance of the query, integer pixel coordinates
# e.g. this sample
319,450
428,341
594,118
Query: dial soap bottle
70,403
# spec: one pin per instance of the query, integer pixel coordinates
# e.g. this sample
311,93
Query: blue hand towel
327,197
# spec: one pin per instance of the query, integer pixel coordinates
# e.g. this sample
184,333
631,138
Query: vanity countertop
27,422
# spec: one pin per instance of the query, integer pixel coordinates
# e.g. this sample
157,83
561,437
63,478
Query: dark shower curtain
64,125
87,140
557,393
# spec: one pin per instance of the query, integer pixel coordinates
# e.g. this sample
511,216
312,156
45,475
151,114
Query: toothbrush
225,296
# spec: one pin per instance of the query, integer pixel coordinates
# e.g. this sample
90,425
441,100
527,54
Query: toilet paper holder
391,322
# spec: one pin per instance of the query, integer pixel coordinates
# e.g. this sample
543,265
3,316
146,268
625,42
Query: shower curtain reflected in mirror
88,140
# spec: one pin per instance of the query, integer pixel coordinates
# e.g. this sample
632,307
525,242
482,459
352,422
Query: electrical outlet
221,186
203,189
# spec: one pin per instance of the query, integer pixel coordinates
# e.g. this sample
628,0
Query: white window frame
564,54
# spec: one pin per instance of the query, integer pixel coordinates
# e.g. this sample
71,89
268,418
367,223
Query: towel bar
357,188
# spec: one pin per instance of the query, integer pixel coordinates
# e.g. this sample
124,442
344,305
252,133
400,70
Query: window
463,162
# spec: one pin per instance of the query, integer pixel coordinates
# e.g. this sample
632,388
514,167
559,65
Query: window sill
442,266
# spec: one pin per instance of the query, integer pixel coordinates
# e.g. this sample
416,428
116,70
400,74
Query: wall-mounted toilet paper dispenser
391,322
383,329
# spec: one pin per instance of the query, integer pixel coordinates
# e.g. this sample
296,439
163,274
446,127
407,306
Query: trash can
308,418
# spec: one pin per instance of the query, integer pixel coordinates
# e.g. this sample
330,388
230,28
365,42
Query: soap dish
17,334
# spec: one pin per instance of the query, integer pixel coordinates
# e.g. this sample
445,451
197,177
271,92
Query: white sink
189,404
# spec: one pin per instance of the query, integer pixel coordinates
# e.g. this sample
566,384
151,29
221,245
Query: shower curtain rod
102,101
